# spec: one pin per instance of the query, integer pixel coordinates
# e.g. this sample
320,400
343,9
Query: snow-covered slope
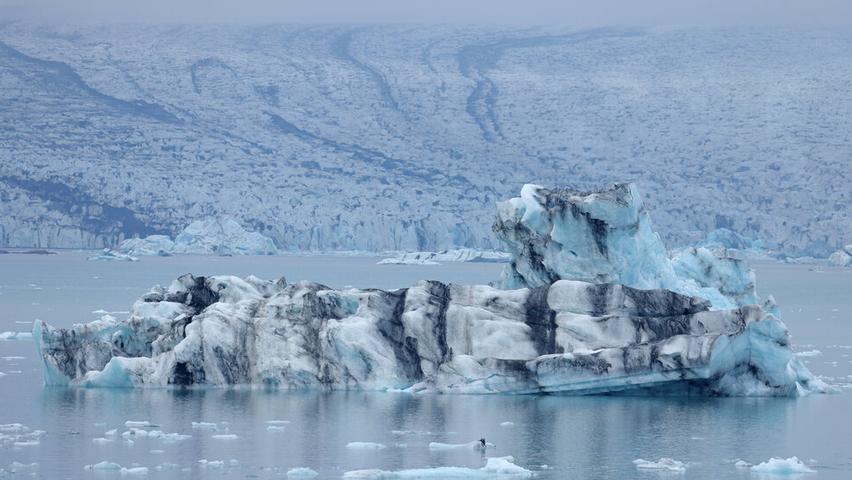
401,138
575,328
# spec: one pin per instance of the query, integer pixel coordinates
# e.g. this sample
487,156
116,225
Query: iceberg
108,255
590,303
782,466
842,257
215,236
452,255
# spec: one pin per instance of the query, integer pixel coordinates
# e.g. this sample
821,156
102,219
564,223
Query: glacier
590,303
212,236
432,126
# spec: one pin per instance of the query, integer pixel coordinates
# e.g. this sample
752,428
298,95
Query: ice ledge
570,337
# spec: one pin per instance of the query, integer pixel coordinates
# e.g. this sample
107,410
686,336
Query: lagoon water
557,437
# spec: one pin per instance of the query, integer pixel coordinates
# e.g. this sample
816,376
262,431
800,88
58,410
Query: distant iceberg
452,255
216,236
842,257
108,255
591,303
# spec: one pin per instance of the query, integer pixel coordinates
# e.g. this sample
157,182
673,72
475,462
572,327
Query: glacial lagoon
257,433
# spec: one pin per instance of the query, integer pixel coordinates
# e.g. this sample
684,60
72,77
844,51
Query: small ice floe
477,445
276,428
225,436
13,336
204,463
365,446
109,255
157,452
111,433
301,473
663,464
18,467
102,440
739,463
137,424
782,466
26,443
168,437
495,468
204,425
13,358
103,466
167,466
134,471
808,353
507,424
278,422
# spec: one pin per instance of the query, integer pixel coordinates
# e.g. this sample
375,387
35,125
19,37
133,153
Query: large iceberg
214,236
593,304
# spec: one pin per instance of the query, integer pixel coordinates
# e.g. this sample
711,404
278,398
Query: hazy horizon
707,13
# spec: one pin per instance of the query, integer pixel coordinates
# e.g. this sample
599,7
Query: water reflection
590,437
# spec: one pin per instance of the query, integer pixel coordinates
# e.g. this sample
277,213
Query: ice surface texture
607,236
601,309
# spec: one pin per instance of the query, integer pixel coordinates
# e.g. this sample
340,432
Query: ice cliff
593,305
214,236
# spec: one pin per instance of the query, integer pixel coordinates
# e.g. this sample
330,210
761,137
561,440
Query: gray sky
810,13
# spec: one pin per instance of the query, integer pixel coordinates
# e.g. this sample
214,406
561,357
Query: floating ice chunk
211,463
204,425
665,464
808,353
27,443
105,465
134,471
168,437
137,424
301,473
742,464
102,441
495,468
782,466
135,433
365,446
278,422
157,452
276,428
507,424
452,446
109,255
11,336
111,433
225,436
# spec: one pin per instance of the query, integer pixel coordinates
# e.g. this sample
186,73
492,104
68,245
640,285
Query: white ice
301,473
782,466
365,446
663,464
495,468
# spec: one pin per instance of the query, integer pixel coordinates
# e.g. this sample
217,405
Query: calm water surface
557,437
